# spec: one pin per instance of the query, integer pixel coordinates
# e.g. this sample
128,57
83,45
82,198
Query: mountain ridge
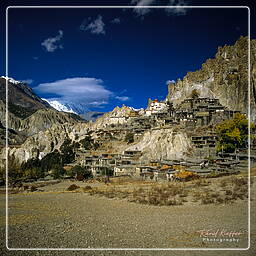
28,114
20,94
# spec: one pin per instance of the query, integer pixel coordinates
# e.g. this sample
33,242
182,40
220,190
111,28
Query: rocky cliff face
225,77
163,144
46,141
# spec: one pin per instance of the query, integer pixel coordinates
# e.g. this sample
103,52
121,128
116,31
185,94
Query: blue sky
108,57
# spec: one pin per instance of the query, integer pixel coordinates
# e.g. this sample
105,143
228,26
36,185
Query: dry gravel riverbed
58,219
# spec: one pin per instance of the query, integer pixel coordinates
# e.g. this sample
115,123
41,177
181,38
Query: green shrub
107,172
51,160
57,171
30,164
72,187
88,143
32,169
33,173
14,172
129,138
67,151
79,170
87,188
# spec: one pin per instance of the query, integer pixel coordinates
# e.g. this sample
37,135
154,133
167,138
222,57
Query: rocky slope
21,97
14,137
111,117
40,143
225,77
119,115
163,144
41,120
46,141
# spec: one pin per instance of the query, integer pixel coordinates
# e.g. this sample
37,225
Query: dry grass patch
153,195
160,195
222,190
201,182
227,190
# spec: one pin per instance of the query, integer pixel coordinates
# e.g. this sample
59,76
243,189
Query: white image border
130,249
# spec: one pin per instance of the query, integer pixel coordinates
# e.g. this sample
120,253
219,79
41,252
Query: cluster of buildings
128,163
191,114
202,111
104,163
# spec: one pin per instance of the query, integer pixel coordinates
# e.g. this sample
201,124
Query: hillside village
195,116
152,143
177,134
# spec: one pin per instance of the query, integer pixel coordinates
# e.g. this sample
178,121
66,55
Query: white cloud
122,98
52,43
27,81
35,58
139,3
170,81
95,27
177,10
83,90
115,21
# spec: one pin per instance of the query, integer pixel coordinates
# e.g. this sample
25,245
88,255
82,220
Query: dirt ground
57,218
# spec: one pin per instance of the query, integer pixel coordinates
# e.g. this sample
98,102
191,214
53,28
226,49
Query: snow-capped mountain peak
60,106
11,80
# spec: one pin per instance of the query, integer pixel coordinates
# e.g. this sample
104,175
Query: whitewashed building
156,106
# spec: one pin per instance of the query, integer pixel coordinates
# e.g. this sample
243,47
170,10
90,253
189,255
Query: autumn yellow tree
233,133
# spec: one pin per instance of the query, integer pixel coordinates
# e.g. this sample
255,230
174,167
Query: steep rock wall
163,144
